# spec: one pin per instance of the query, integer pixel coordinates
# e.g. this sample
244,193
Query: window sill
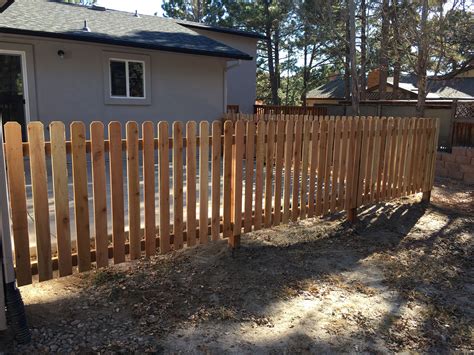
128,102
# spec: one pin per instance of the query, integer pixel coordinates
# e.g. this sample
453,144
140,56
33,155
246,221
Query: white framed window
127,79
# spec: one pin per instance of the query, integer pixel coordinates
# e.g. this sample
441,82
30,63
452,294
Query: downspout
226,69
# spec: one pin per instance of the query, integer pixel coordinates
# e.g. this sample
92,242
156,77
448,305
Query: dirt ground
402,279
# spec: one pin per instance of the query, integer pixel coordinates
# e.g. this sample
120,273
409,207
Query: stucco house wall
183,86
241,76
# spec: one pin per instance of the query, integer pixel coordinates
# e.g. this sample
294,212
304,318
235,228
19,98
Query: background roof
455,88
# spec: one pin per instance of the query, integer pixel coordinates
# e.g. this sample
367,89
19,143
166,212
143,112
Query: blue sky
143,6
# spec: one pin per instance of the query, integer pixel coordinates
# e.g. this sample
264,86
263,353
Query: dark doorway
12,88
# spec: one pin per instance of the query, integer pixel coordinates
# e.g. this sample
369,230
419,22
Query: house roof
455,88
231,31
4,4
55,19
333,89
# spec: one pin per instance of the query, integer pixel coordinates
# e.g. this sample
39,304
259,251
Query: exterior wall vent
85,28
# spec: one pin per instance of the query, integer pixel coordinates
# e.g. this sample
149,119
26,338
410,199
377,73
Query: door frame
24,72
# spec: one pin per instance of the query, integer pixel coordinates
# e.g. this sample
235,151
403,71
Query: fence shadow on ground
213,284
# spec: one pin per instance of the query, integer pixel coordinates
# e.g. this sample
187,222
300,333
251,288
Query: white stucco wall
183,86
241,80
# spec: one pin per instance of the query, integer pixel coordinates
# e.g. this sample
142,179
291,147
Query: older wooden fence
463,133
462,125
235,178
289,110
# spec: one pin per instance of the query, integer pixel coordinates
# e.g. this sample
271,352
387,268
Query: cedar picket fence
261,175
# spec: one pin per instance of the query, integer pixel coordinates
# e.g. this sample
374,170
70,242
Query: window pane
118,80
135,75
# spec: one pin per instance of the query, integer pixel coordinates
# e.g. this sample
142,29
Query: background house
460,86
67,62
447,99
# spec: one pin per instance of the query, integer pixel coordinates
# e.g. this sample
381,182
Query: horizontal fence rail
119,194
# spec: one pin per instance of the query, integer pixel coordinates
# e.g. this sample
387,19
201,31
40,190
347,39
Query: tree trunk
305,69
288,78
383,64
197,9
353,53
396,51
276,43
363,50
422,61
396,79
347,62
271,67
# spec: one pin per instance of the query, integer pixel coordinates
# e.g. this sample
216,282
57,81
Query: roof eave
224,30
122,43
324,98
6,5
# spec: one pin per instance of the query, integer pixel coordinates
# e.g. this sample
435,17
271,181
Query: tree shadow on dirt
435,270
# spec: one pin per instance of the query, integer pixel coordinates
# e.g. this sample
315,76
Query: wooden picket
216,179
269,161
249,175
133,183
288,165
191,183
177,185
148,134
81,205
203,181
280,150
296,169
227,198
99,185
238,154
259,160
61,200
164,188
272,171
17,191
116,191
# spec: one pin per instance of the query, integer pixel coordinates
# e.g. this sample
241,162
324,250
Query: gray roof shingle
220,29
333,89
51,18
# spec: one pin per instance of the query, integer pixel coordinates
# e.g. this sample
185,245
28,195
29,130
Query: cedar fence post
426,196
5,239
432,166
352,211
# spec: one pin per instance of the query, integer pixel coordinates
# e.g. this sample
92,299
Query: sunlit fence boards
117,192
